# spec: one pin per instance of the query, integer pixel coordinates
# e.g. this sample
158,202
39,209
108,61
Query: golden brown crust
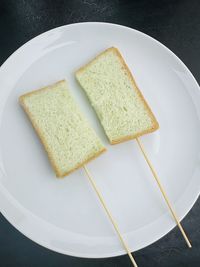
38,90
94,59
130,137
155,122
42,139
83,163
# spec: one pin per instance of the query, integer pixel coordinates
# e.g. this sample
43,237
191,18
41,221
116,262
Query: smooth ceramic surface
64,214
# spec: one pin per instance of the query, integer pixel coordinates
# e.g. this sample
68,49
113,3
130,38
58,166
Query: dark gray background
174,23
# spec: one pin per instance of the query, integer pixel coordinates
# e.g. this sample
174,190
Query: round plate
64,214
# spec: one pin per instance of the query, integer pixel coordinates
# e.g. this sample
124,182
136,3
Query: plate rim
121,252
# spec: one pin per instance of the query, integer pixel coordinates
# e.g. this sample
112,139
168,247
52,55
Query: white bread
113,93
67,137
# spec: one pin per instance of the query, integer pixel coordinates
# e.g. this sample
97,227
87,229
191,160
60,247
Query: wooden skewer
163,192
110,216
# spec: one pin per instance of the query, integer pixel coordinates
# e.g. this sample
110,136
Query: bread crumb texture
110,87
66,134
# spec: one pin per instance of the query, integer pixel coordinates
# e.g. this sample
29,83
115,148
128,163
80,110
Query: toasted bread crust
155,122
42,138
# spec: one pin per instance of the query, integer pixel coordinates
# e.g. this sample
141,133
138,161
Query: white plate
65,215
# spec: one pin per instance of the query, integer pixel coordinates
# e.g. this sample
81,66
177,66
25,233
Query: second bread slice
113,93
65,133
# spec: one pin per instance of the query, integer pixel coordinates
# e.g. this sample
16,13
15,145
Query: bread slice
67,137
113,93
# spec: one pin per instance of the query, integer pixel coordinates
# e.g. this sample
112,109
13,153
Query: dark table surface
175,23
